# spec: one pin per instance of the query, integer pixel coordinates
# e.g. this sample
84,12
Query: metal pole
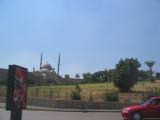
16,114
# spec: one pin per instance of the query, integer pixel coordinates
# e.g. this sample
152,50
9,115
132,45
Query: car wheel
137,116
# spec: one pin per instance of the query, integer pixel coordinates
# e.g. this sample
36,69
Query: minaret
41,61
58,64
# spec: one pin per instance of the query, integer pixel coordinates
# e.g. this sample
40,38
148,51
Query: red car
149,109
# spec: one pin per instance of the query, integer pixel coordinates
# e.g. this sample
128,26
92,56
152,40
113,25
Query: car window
155,102
146,102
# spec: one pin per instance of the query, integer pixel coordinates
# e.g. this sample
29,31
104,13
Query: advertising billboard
16,88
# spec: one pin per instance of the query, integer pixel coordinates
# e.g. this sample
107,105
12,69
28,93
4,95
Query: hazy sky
91,35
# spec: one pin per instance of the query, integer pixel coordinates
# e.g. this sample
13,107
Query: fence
3,91
87,94
65,94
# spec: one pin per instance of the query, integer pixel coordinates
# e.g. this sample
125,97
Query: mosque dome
47,68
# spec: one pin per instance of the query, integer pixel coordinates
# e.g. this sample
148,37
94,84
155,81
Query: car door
152,110
149,112
157,108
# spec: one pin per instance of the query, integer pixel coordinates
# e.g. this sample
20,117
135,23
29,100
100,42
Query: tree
126,74
77,76
99,76
142,75
150,64
158,75
87,77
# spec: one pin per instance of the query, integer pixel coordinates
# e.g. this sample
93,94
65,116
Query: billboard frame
11,87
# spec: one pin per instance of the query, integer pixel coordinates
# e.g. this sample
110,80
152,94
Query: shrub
111,96
153,92
78,88
75,95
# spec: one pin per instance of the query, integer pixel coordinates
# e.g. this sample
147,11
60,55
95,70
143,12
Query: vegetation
99,86
152,92
99,76
88,92
142,75
87,77
77,76
111,74
78,88
158,75
3,80
75,95
126,74
102,76
150,64
111,96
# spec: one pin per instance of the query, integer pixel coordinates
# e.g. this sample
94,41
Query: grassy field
82,86
146,86
139,87
88,91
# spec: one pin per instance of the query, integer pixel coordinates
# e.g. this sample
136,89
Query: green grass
139,87
83,86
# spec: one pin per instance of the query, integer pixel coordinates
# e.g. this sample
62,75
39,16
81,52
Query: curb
72,110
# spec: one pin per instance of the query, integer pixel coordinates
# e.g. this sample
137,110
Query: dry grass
93,92
63,92
146,86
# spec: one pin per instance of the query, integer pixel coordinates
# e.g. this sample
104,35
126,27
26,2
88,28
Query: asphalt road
50,115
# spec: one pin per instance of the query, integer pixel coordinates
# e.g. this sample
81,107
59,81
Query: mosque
47,74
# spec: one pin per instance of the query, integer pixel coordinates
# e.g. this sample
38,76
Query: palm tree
150,64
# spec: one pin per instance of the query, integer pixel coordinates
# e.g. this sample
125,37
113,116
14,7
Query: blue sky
91,35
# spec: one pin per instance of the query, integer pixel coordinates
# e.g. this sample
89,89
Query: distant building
47,73
47,68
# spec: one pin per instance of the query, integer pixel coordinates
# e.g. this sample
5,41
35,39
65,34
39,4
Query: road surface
50,115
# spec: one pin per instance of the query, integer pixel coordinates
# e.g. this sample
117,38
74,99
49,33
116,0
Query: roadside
49,104
2,106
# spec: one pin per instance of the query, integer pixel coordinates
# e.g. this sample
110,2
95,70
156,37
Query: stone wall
72,104
132,97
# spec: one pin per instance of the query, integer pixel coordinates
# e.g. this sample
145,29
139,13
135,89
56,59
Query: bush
111,96
78,88
75,95
152,93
